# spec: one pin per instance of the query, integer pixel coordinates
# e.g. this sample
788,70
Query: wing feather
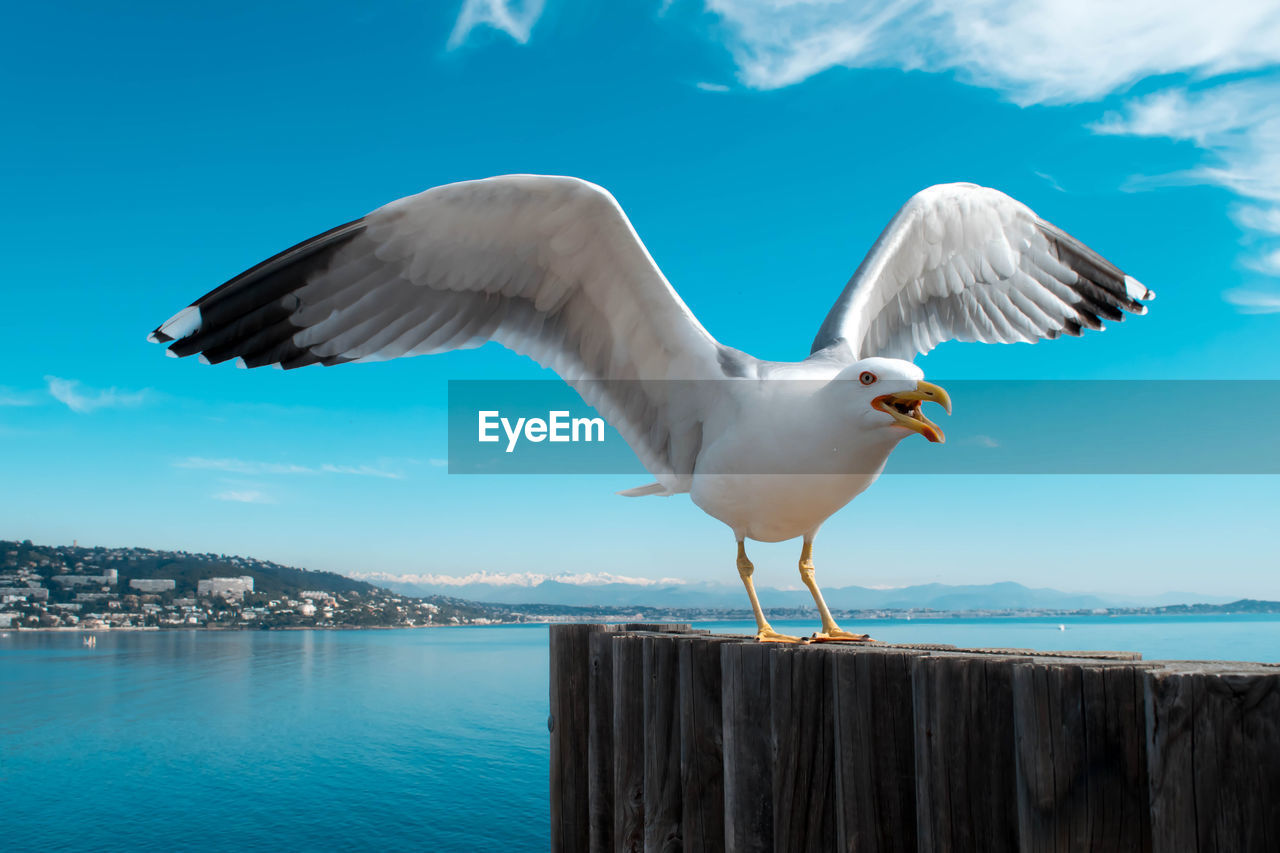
968,263
547,266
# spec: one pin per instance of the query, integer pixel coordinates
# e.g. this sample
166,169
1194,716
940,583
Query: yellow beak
904,407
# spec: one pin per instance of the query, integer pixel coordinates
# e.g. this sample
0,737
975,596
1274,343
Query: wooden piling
665,739
663,817
875,752
1081,757
702,743
748,748
1213,747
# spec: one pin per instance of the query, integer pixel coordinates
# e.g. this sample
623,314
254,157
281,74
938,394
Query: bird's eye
867,378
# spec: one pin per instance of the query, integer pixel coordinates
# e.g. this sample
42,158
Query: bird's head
888,392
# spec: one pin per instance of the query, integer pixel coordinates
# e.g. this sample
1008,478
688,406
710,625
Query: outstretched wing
968,263
547,266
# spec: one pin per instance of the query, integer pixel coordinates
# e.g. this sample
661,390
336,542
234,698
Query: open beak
904,407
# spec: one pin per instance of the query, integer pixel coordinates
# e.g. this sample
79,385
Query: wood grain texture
600,742
1213,750
628,743
1081,757
803,742
966,792
748,748
663,817
875,783
569,726
702,744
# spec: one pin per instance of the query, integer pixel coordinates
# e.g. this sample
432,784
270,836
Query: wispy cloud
84,400
14,397
362,471
1237,125
712,87
1038,52
983,441
512,17
1059,52
1253,301
1034,51
244,496
252,468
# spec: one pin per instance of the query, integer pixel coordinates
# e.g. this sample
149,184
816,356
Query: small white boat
90,642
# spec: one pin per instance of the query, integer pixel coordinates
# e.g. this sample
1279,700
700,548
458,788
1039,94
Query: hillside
183,567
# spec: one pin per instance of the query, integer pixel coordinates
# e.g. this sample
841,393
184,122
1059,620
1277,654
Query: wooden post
1213,747
1081,757
966,791
663,824
875,781
600,743
702,743
804,817
628,743
748,748
568,723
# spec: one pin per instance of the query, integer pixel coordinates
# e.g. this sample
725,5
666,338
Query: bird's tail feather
642,491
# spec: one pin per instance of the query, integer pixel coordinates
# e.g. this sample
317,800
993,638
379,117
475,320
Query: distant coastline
68,588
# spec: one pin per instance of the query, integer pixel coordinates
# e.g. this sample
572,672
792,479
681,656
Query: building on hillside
225,587
153,584
24,593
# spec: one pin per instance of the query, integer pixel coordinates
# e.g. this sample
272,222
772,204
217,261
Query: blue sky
154,151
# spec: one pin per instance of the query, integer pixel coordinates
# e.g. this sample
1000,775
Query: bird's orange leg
830,630
764,631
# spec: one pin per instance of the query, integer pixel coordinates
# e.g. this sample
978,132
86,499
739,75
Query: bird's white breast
786,463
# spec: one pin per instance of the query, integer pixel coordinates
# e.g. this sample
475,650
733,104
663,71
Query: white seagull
550,267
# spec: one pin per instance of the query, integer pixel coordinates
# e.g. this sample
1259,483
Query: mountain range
602,590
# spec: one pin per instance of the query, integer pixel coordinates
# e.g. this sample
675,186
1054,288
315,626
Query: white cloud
244,496
512,17
438,463
85,400
712,87
1237,125
14,397
1035,51
362,471
1062,51
241,466
244,466
1255,302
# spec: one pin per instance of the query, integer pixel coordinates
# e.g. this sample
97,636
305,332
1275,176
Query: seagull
551,268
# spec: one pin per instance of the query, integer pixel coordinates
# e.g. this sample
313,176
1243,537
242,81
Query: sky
155,150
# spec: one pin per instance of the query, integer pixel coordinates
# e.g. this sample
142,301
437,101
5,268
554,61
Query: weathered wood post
748,748
600,755
1213,747
1081,757
804,817
966,793
569,725
663,816
666,742
576,687
875,764
702,743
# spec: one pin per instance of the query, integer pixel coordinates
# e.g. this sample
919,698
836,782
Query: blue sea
431,739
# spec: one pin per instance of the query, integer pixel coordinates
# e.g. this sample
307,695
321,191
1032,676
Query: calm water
429,739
